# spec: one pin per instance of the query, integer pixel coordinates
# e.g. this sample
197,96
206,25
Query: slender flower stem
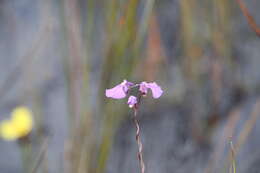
138,140
41,155
233,161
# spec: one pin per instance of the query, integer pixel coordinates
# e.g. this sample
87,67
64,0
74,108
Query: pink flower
132,101
156,89
119,91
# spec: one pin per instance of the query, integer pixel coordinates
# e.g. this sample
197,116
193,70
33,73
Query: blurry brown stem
138,140
249,18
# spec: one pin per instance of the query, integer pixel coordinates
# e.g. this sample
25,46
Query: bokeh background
58,57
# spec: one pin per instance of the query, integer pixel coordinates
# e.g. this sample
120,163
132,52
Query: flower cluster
121,91
19,125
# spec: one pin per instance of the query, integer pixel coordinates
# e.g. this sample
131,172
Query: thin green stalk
25,148
41,155
144,22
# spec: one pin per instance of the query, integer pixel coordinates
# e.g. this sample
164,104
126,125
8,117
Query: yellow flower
20,124
7,130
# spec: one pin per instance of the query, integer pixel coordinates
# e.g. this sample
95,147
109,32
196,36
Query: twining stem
138,140
233,162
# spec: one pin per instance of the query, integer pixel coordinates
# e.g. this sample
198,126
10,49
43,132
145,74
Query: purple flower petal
126,85
144,88
132,101
119,91
156,90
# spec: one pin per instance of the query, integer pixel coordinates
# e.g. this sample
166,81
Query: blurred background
58,57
